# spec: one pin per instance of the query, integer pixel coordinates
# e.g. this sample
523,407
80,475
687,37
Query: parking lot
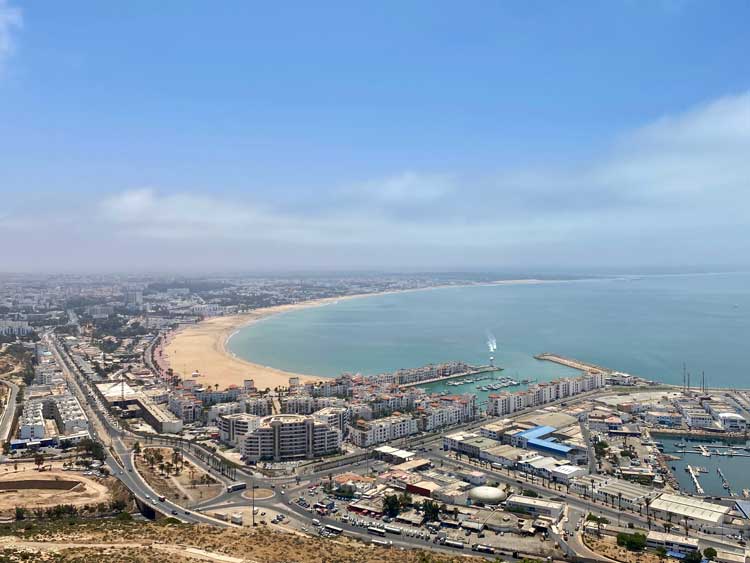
382,528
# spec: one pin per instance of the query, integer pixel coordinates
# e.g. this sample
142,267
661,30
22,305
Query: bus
454,543
392,529
334,529
376,531
236,487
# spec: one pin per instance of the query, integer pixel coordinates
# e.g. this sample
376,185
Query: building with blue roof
538,438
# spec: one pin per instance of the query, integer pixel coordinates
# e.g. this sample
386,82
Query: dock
572,363
474,371
724,480
694,476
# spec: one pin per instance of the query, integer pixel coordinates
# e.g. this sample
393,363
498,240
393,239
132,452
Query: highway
124,469
6,422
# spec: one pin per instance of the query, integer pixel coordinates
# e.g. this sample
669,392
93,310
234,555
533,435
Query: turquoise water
646,326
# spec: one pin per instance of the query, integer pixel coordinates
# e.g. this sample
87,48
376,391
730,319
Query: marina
721,465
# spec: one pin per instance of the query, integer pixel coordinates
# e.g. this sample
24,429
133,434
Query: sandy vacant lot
188,484
147,542
23,488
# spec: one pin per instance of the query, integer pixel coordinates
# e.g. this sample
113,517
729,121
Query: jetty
473,370
572,363
724,480
694,476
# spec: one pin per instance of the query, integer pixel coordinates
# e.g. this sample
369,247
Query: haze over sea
646,325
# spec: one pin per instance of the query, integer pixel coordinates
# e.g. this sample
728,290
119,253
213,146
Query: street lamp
252,485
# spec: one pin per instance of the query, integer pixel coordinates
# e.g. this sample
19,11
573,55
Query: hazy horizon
517,137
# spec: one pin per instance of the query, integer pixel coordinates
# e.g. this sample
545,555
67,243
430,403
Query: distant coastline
204,347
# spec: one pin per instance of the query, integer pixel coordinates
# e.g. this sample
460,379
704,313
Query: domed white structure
487,495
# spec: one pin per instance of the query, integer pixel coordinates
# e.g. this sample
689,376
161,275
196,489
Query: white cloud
10,20
407,188
674,191
681,175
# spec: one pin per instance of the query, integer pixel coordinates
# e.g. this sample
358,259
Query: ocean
647,326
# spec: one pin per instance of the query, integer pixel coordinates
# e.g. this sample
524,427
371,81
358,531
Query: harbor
710,468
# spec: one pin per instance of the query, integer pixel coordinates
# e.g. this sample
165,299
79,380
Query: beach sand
202,347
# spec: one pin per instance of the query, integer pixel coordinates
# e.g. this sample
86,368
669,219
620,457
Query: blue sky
239,135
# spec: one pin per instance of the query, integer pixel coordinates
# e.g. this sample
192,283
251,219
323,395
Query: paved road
123,469
9,412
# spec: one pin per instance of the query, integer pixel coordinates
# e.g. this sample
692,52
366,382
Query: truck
236,518
482,548
454,543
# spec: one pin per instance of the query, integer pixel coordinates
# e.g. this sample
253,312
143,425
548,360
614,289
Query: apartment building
67,412
289,437
505,403
185,406
335,417
366,433
15,328
446,411
31,421
232,427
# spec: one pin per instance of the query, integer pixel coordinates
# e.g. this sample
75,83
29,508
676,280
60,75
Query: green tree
137,448
38,460
405,499
632,542
20,513
391,505
693,557
710,553
431,511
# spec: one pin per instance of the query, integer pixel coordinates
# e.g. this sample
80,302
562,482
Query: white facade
289,437
366,434
31,422
233,427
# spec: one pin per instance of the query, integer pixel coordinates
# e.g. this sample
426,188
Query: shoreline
204,347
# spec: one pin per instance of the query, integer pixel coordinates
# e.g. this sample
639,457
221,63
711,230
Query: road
124,469
107,430
6,422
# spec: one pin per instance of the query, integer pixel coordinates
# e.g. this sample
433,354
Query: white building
233,427
289,437
366,433
732,422
68,414
31,421
15,328
335,417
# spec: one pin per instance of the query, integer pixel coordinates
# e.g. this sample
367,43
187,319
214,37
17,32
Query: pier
694,476
474,371
724,481
571,363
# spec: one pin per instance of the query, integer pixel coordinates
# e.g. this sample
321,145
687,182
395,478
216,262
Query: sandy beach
202,347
